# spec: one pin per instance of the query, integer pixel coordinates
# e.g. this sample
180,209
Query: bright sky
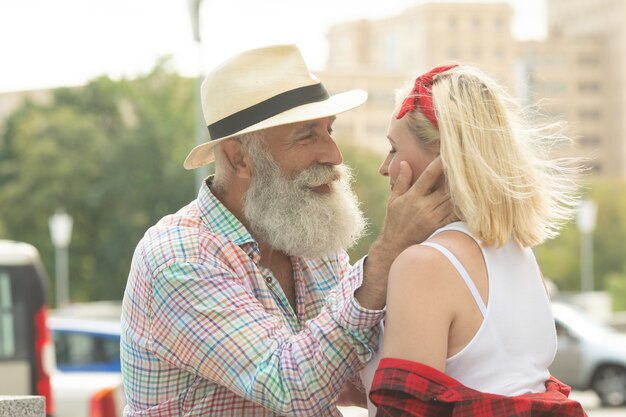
47,43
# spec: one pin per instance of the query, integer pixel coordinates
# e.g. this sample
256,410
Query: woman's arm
421,296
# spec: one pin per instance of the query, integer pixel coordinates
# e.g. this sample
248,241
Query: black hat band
266,109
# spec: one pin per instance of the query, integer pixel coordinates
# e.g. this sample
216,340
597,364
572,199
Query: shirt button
268,280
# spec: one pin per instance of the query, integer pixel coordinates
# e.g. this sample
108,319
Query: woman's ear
239,162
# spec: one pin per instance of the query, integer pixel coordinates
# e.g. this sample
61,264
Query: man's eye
305,136
392,151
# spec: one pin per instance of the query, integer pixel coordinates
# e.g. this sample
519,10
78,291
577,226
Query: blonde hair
501,182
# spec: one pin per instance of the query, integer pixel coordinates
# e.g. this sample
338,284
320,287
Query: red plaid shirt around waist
404,388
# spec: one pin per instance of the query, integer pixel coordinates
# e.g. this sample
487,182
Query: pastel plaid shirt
207,331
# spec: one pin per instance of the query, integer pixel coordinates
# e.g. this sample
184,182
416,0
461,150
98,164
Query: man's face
298,146
299,200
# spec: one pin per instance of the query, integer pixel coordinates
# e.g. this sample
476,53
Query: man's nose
330,153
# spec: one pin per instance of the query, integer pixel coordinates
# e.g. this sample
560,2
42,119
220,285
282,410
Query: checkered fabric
404,388
207,331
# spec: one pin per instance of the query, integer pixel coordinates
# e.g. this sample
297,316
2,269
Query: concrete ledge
22,406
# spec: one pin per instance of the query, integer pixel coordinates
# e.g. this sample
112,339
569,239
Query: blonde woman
470,301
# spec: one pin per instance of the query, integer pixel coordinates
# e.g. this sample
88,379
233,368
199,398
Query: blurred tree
610,232
109,153
616,286
372,189
560,258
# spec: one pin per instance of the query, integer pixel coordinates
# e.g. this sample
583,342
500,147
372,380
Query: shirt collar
219,220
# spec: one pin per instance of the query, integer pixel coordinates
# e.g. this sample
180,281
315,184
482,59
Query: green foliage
372,189
610,232
560,258
616,286
109,153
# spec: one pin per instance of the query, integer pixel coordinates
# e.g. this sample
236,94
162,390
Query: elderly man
243,303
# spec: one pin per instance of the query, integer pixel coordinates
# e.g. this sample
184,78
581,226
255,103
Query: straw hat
263,88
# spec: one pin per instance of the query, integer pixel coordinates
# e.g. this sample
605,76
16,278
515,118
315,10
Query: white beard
286,214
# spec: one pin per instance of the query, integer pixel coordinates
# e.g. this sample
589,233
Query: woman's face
405,147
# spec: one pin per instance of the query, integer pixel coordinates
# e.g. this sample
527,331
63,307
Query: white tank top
516,342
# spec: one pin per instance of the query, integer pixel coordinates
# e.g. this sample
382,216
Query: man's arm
205,321
414,212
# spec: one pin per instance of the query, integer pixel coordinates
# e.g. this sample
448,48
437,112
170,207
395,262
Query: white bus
26,349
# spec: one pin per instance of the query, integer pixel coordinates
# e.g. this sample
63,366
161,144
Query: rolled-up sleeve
204,320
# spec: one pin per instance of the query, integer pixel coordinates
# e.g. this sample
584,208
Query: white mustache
319,175
285,213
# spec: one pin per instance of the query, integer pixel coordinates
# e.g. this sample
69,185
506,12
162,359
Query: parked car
87,345
26,349
590,355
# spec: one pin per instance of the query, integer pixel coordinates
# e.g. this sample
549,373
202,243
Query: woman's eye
392,151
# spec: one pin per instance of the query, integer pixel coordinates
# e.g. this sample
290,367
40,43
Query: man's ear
239,162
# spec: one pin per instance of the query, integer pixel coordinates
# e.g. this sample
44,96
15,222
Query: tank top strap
463,272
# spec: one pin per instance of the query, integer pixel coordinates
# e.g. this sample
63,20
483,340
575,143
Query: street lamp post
586,221
61,232
201,129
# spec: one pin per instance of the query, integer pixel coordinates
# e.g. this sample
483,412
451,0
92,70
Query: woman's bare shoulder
421,267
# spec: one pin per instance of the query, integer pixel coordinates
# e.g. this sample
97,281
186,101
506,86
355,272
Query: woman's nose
384,167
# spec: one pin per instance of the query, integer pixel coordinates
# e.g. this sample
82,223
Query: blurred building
602,22
428,35
566,79
381,55
578,74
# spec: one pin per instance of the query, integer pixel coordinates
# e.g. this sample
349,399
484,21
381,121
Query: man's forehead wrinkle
287,136
317,122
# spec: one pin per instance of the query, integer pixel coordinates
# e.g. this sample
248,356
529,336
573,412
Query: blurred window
589,141
476,22
80,351
553,61
16,333
499,24
588,60
588,87
453,23
7,329
551,87
589,114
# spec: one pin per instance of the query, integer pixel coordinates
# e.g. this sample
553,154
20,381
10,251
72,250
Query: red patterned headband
422,95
